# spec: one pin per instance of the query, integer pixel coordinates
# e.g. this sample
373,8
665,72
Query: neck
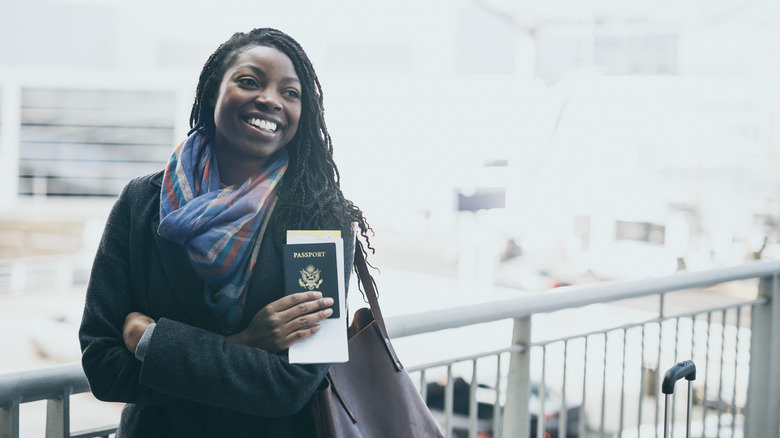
235,170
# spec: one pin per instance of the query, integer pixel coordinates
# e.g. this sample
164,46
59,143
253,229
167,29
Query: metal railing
719,345
55,385
736,388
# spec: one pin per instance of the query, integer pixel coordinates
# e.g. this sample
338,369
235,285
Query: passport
310,267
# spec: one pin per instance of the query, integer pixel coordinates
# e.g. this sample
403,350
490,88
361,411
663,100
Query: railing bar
756,302
749,364
657,387
675,359
9,420
35,385
497,401
736,364
642,371
448,403
521,307
693,353
752,303
446,362
102,432
623,382
423,385
720,374
563,422
706,366
693,338
58,415
603,386
473,401
661,298
540,419
584,387
676,339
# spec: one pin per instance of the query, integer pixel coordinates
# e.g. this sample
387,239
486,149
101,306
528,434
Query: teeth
265,125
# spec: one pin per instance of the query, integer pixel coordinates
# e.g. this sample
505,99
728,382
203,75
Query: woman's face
257,107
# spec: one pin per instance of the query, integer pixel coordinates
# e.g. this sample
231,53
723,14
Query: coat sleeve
197,365
182,361
112,371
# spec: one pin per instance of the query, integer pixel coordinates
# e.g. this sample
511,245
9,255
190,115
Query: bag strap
370,289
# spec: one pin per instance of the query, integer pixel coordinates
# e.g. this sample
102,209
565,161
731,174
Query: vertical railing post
9,421
762,413
58,416
518,389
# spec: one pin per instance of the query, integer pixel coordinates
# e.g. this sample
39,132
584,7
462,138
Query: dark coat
191,383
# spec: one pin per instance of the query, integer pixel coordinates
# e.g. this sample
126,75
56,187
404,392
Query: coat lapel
187,286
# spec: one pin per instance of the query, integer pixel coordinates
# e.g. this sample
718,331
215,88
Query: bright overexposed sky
655,111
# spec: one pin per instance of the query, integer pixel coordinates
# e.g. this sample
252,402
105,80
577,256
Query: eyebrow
261,72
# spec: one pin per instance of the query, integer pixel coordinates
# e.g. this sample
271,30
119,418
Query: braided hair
310,194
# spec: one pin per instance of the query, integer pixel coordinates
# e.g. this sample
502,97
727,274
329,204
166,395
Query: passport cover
312,266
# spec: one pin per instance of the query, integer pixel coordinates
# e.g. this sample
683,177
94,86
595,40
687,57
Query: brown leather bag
371,396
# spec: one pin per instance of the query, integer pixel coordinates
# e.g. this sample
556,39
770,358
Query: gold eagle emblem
310,278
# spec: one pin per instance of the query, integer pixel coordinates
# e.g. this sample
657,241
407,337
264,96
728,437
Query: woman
186,319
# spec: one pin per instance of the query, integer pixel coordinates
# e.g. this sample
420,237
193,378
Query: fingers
310,318
305,305
286,321
301,334
133,328
307,314
302,319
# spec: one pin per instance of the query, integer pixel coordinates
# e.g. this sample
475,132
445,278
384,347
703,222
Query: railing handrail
42,384
573,296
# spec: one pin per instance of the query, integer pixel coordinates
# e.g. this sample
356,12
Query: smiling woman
186,319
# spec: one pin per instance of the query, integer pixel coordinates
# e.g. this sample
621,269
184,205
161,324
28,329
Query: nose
268,100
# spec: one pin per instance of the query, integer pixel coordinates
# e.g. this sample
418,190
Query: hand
135,325
285,321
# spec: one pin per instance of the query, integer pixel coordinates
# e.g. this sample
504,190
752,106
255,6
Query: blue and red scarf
217,225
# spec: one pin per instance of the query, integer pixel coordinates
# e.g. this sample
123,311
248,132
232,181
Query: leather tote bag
371,396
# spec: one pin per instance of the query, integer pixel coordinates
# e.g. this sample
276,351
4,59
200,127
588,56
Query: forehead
268,59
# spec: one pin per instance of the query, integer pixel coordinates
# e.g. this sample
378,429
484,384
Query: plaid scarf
218,226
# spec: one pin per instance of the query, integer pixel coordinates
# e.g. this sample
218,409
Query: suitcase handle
682,369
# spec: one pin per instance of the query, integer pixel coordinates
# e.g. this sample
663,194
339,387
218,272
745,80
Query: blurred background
496,147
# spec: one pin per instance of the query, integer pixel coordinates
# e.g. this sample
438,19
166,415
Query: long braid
310,192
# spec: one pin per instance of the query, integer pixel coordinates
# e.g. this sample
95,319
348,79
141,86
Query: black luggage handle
682,369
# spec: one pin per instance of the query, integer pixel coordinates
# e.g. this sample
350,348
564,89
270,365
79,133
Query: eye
292,93
250,82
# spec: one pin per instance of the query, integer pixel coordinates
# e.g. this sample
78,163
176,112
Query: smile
261,124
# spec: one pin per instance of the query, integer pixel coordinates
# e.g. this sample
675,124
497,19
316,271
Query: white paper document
329,344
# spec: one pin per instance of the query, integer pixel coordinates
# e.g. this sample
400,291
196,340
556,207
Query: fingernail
328,301
316,294
328,312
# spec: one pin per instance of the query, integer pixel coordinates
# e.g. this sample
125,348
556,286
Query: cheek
297,122
218,102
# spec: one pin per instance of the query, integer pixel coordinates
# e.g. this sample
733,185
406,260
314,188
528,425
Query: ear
212,100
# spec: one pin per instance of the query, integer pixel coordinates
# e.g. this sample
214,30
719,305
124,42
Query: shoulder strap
370,288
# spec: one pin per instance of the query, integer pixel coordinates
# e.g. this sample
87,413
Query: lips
262,124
